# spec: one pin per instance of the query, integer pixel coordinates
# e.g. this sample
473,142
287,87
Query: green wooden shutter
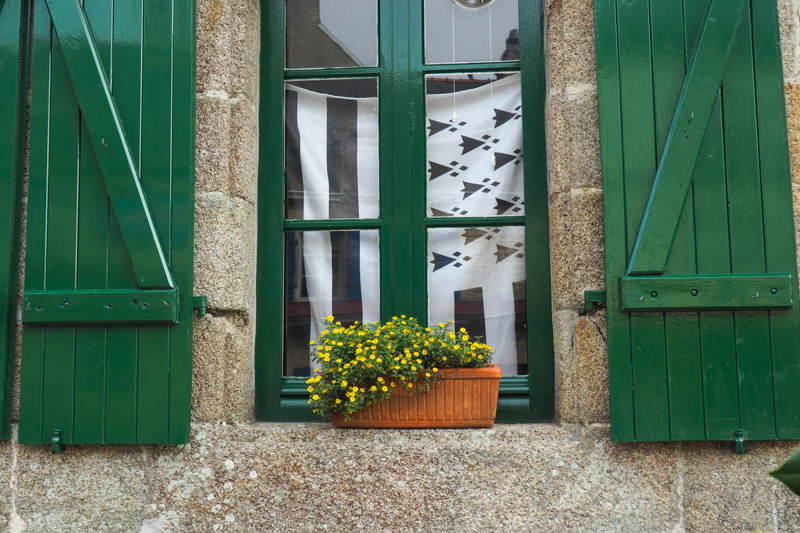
701,271
13,66
107,308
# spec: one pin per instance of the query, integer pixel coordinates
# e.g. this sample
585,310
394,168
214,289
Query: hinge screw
694,292
653,294
773,290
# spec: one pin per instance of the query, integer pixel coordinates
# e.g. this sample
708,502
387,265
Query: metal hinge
738,441
593,300
201,304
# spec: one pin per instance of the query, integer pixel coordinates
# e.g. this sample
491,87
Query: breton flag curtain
332,171
461,178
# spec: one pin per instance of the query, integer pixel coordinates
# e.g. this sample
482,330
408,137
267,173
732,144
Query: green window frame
403,223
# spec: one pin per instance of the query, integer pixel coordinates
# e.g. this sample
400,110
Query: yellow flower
329,318
338,400
427,374
384,388
462,330
315,397
480,357
338,360
413,368
316,369
339,344
344,383
380,379
465,338
451,335
410,385
380,360
441,325
444,358
373,388
392,384
435,369
310,389
311,342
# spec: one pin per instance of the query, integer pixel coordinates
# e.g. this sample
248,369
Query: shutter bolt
653,294
694,292
55,441
65,304
773,290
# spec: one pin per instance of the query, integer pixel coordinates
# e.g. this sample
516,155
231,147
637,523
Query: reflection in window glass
332,166
474,145
331,33
327,273
456,33
476,278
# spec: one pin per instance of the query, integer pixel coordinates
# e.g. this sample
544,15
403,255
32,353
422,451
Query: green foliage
789,472
364,363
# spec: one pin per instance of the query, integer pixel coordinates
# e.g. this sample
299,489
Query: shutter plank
183,161
13,70
608,94
676,169
123,339
681,329
717,340
745,219
152,414
32,369
776,196
93,213
61,238
639,160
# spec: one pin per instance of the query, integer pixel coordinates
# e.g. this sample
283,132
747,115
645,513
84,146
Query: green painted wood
675,171
123,340
779,231
721,363
99,306
269,286
648,356
614,220
13,71
110,144
93,212
60,272
731,291
717,339
681,330
745,221
32,371
128,381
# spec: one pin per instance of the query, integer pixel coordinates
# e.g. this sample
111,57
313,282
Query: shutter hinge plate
593,300
201,304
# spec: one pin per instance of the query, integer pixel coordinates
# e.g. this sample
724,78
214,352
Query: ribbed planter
461,398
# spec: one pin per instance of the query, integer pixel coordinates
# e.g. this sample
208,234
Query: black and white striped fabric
332,166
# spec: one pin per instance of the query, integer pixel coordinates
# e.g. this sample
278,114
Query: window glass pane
332,167
476,278
471,30
327,273
474,145
331,33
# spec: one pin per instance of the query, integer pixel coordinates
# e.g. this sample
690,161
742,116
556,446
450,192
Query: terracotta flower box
461,398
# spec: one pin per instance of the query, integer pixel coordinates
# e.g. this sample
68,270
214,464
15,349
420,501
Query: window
403,171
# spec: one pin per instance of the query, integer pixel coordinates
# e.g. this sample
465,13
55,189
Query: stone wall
242,476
